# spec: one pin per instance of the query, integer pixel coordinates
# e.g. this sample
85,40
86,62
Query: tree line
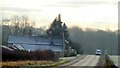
20,25
89,40
83,40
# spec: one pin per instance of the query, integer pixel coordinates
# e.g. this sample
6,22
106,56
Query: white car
98,52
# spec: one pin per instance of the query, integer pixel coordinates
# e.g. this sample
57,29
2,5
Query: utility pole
63,43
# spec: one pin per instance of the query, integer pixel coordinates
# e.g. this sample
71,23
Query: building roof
42,47
33,43
5,47
34,40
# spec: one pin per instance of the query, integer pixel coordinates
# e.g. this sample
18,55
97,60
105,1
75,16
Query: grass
115,59
109,63
32,64
105,62
28,62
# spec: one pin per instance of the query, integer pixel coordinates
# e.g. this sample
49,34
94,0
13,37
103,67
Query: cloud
78,4
84,11
18,9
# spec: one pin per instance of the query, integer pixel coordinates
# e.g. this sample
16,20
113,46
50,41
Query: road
89,60
83,61
114,58
69,58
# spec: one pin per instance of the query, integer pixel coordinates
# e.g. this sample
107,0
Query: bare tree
15,24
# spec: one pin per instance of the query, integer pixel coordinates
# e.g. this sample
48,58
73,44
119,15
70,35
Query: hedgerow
8,55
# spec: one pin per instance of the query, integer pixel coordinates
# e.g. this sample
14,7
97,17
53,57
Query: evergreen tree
57,28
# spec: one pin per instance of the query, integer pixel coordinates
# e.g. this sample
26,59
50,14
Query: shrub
8,55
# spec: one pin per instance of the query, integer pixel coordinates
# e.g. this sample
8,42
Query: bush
8,55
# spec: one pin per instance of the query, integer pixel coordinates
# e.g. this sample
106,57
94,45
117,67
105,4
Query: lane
70,58
73,61
89,60
115,58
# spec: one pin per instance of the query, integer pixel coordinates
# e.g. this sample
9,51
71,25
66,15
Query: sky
97,14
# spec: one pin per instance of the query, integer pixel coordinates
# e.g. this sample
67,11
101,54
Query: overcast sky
100,14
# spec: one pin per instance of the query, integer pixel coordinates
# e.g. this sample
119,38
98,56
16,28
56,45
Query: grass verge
32,64
105,62
109,63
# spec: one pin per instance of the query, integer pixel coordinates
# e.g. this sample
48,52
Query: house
33,43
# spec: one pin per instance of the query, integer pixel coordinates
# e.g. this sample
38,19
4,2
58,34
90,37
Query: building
33,43
56,40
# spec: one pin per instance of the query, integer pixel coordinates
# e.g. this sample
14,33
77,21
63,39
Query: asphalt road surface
114,58
89,60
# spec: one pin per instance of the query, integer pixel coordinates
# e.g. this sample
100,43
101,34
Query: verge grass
32,64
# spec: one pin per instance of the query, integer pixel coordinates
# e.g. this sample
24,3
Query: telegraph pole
63,43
